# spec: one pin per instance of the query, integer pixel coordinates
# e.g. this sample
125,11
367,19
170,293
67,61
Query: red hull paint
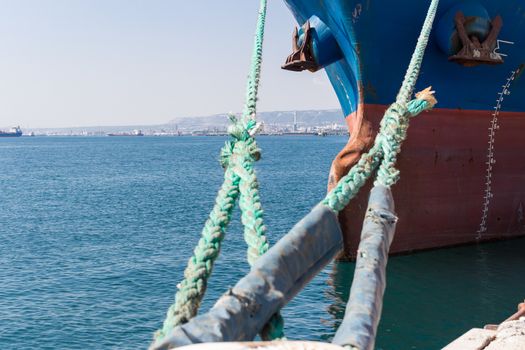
443,164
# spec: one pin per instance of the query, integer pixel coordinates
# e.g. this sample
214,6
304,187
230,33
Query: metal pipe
275,278
363,310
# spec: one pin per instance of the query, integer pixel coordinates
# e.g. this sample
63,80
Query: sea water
95,234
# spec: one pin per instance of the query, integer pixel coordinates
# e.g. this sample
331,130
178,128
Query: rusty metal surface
443,173
474,52
302,57
516,316
520,313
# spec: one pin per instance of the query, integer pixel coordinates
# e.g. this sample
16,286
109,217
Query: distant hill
280,119
304,118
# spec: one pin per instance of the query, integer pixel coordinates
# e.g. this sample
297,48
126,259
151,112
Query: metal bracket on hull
475,52
302,57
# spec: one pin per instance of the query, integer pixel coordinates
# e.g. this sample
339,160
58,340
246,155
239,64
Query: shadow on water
433,297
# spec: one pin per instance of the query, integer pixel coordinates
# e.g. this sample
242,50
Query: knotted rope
239,154
240,182
393,129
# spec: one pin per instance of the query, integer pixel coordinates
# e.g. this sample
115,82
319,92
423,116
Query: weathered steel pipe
363,310
273,281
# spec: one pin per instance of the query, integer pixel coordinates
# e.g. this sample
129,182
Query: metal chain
491,158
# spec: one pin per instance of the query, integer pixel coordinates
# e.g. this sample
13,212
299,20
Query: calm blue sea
95,234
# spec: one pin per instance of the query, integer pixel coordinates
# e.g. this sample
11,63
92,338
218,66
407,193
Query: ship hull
449,192
463,163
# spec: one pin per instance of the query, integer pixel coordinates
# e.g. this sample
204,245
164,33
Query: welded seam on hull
491,158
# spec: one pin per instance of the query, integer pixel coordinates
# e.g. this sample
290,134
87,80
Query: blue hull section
463,163
377,39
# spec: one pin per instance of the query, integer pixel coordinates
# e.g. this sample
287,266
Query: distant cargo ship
13,132
133,133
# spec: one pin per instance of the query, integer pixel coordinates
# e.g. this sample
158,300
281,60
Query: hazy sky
115,62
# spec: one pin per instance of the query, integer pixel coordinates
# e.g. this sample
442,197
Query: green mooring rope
237,158
393,129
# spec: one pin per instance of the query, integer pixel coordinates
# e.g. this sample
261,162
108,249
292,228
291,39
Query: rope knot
236,130
397,109
242,144
240,182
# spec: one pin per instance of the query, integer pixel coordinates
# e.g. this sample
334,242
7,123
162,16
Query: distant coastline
310,122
